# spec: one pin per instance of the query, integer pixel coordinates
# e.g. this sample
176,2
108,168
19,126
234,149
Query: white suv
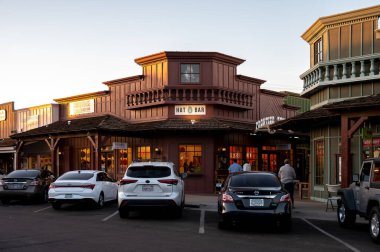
149,185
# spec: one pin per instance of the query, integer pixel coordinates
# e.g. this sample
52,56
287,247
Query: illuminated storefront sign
82,107
3,115
190,110
266,121
32,122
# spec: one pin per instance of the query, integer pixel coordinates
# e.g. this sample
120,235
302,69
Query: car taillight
285,198
169,181
52,186
226,198
35,183
91,186
127,181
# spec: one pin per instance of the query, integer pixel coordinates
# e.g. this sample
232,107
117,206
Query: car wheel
123,214
5,201
374,229
285,225
101,200
178,211
223,223
56,205
346,218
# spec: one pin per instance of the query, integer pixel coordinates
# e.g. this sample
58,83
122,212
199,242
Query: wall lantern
193,121
157,150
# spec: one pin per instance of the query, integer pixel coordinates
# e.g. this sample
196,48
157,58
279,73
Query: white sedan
83,185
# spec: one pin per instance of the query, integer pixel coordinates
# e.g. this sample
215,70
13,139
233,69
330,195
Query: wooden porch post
52,146
347,131
19,145
96,143
345,152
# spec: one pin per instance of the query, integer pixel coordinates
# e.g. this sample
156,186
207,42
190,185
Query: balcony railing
341,71
189,95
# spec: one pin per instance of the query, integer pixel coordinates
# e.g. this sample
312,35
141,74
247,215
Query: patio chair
332,198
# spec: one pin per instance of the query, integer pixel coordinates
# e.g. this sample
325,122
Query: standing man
235,167
287,176
246,166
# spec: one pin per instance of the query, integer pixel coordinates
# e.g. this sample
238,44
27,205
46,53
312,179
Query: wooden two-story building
191,108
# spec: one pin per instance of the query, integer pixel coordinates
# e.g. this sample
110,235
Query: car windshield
76,176
24,174
148,171
254,180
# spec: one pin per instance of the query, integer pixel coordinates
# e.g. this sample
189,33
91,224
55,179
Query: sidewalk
307,209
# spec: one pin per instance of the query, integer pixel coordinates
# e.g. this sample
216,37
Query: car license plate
147,188
68,196
15,186
256,202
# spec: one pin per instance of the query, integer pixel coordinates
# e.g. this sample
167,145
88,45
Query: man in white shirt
247,166
287,176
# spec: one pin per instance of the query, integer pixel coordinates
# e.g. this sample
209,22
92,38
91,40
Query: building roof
328,113
81,96
109,123
82,125
188,55
340,19
7,142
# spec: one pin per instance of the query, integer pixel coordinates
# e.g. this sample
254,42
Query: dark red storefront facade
191,108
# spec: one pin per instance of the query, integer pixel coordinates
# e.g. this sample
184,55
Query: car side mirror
355,178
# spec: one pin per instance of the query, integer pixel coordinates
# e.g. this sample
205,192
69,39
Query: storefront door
269,161
108,163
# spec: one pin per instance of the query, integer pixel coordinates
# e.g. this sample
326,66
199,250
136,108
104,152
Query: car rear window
254,180
23,174
76,176
148,171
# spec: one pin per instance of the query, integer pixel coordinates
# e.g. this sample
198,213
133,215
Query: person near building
235,167
287,176
246,166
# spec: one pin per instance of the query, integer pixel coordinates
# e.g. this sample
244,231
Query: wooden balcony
354,69
189,95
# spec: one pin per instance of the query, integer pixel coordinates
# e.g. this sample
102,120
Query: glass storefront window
125,159
85,160
143,153
190,159
252,157
319,161
236,152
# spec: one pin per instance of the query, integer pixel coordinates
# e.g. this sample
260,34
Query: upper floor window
378,23
189,73
318,51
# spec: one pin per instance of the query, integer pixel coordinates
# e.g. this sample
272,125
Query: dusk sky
57,48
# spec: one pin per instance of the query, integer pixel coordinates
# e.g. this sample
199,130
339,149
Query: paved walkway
307,209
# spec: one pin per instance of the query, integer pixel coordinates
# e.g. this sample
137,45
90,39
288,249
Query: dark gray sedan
24,184
254,197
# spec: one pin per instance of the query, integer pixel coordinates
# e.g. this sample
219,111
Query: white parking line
202,222
331,236
110,216
43,209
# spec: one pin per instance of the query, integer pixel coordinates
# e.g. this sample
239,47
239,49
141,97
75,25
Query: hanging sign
190,110
119,145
